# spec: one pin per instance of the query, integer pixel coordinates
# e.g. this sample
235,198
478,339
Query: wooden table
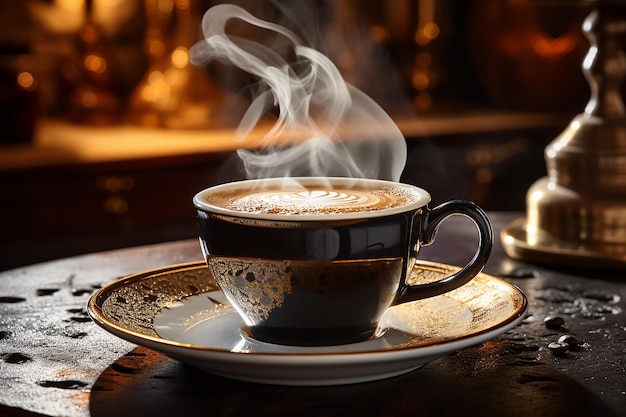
55,361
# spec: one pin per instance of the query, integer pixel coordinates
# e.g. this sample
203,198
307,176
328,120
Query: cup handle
431,220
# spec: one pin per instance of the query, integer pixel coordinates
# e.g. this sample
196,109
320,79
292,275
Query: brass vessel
576,216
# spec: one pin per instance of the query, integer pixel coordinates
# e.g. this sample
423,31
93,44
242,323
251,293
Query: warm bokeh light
156,48
89,34
427,33
95,63
427,29
67,16
554,47
420,79
26,81
379,34
156,89
180,57
89,99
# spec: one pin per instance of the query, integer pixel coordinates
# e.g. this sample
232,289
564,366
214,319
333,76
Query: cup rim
201,203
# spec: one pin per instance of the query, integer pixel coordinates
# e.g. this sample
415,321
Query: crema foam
313,199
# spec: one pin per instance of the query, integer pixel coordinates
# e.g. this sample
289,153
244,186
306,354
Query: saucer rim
434,349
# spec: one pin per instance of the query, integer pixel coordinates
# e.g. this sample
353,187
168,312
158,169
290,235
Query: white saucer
179,311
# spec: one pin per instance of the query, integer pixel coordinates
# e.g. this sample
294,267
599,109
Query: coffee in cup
317,261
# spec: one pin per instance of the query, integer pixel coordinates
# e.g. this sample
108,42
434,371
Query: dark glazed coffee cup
322,277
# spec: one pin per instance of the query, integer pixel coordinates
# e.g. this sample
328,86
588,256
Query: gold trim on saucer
209,337
129,305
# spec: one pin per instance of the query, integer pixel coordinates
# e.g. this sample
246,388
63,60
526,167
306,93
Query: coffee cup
318,260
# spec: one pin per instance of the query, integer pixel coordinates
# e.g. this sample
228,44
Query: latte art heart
319,197
310,201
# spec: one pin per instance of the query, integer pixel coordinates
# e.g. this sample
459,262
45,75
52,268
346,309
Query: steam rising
344,132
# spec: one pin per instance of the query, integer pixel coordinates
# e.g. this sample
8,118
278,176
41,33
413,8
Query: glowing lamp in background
173,93
94,98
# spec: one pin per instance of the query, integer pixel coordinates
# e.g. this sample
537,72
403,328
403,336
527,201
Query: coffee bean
569,339
553,322
558,348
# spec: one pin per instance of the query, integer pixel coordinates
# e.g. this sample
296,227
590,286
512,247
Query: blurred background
108,130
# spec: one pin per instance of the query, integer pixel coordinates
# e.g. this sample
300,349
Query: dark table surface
55,361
